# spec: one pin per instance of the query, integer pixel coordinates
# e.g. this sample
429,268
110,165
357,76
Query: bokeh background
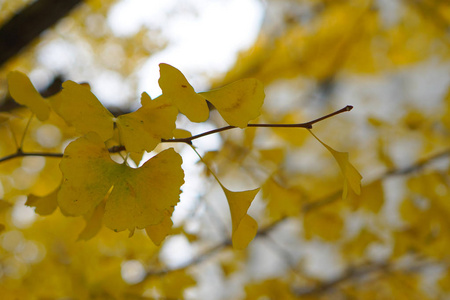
389,59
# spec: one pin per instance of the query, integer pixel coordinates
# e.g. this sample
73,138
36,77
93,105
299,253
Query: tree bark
29,23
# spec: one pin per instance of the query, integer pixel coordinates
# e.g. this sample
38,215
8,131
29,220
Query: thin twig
23,154
116,149
307,125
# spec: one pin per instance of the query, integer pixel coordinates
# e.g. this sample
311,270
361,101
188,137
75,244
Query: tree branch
307,125
29,23
188,140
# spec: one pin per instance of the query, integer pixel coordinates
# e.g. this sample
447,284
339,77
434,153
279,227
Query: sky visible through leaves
193,152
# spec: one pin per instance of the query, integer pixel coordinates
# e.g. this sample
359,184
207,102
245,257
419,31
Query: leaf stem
25,133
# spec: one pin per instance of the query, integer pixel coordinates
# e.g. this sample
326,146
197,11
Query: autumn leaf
93,222
139,131
23,92
137,197
244,227
351,175
80,108
143,129
158,232
45,205
176,88
238,102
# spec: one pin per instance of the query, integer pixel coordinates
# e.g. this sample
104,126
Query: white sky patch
204,36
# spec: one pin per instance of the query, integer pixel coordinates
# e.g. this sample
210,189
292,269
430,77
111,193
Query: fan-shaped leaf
137,197
23,92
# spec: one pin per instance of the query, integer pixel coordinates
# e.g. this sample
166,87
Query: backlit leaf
44,205
143,129
244,227
93,223
137,197
238,102
158,232
23,92
175,87
79,107
351,175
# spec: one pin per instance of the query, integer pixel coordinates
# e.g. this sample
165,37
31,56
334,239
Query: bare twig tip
349,107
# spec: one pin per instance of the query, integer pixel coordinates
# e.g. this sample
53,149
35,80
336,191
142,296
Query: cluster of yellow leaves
96,187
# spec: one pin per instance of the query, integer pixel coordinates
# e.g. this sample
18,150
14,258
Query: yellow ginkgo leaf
79,107
23,92
143,129
352,176
244,227
181,133
136,198
44,205
93,223
157,233
175,87
238,102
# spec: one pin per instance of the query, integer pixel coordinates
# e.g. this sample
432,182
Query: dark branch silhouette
28,24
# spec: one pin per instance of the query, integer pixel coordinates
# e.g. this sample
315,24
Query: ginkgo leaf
175,87
44,205
244,227
23,92
158,232
351,175
137,197
93,223
238,102
143,129
79,107
181,133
